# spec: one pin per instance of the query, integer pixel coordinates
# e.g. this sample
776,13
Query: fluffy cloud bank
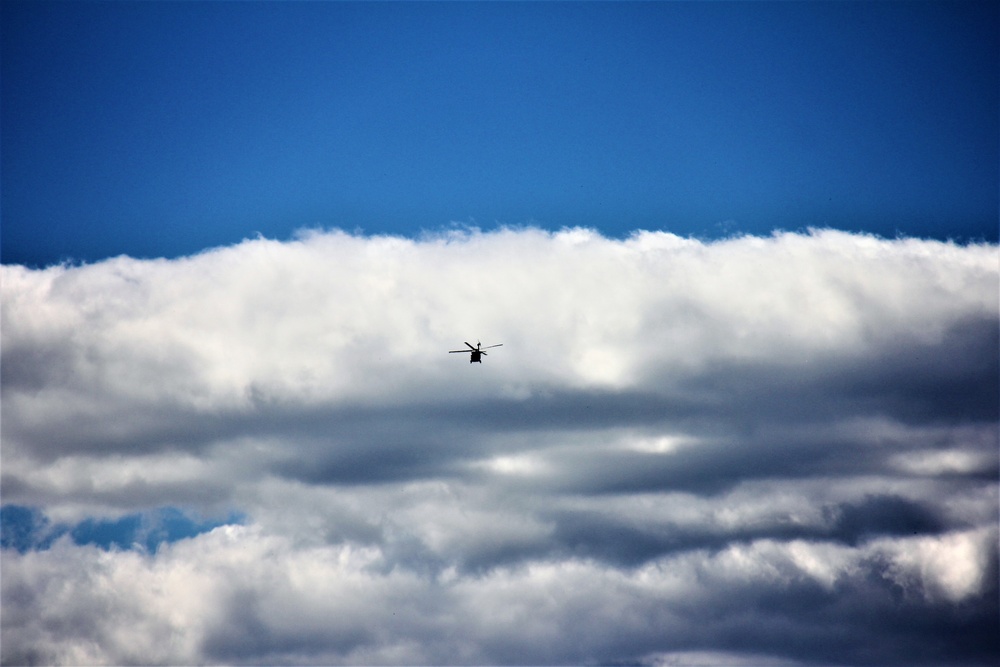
778,450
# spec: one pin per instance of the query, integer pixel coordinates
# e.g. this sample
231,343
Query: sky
162,128
741,258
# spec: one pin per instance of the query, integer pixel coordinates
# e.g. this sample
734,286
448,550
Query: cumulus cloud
778,449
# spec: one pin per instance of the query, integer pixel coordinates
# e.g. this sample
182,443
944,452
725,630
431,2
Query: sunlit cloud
684,449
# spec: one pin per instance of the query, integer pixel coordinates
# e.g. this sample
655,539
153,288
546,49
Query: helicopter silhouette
476,351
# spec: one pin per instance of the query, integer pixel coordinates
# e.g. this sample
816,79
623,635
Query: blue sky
27,528
161,129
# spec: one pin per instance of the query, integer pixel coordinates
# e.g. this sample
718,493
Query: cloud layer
778,450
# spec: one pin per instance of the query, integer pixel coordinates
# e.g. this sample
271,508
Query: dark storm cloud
778,450
625,543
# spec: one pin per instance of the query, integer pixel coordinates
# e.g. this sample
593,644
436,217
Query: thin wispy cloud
775,449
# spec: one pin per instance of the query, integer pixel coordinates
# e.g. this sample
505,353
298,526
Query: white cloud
682,450
952,566
236,595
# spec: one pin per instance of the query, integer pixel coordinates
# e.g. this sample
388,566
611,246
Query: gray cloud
774,450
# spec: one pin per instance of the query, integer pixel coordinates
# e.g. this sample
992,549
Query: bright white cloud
237,595
683,450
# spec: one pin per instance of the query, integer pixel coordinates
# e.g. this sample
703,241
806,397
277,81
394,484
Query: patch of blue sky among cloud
26,528
736,450
161,129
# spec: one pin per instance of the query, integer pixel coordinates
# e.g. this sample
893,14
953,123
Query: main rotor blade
489,346
454,351
470,346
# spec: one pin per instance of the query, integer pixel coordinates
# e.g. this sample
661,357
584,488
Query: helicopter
476,351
